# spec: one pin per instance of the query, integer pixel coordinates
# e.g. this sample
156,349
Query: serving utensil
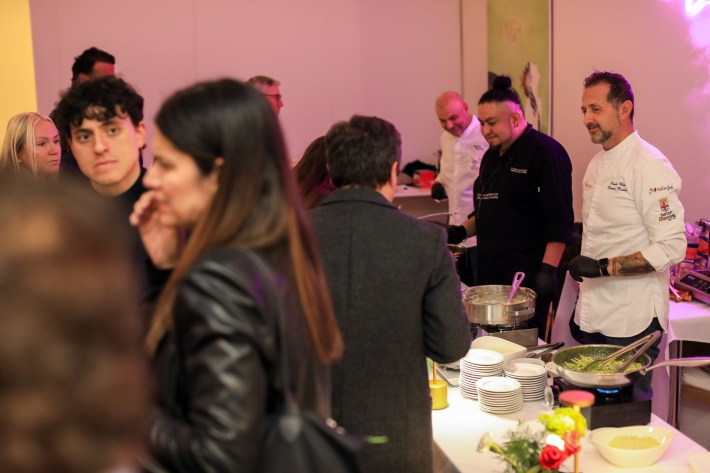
543,350
646,341
517,280
612,380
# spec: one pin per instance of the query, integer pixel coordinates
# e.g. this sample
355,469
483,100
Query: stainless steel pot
498,312
611,380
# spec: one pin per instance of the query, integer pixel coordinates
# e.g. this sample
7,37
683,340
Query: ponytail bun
502,83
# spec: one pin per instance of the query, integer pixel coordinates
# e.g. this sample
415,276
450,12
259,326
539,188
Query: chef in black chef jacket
522,201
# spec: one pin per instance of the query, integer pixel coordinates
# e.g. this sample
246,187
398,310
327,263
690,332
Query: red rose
551,457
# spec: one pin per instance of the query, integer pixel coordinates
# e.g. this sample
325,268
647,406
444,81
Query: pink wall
650,42
334,57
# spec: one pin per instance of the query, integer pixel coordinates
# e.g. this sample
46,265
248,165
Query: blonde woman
32,145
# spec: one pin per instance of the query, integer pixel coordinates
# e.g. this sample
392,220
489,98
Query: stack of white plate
499,395
532,378
477,364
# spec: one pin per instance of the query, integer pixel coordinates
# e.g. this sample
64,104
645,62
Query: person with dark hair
221,172
523,213
312,174
74,376
269,88
91,64
103,120
396,296
633,224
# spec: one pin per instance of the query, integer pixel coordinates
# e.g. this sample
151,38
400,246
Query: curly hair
97,99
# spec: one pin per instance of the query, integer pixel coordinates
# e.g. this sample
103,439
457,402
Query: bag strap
275,301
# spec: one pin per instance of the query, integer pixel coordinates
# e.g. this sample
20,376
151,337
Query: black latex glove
546,282
438,192
583,267
455,234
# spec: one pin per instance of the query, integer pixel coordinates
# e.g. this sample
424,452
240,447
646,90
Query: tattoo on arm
630,265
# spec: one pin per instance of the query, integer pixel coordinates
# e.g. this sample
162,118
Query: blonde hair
20,134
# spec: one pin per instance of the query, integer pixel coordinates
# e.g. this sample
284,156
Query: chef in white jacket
633,224
462,147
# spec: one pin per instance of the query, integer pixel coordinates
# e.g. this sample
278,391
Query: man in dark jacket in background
396,297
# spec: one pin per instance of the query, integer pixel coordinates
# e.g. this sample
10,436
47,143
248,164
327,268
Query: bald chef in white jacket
633,224
462,148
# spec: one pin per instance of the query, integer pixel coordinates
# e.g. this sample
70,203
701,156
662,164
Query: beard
600,136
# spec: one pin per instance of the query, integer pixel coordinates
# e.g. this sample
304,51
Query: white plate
498,384
501,411
484,357
525,370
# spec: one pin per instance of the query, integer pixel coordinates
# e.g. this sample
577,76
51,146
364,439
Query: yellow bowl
630,457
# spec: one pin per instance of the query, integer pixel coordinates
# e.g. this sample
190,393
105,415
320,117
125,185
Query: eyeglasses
276,96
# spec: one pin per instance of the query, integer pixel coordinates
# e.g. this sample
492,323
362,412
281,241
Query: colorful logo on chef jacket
666,212
653,190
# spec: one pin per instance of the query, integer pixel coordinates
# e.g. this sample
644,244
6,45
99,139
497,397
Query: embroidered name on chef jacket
653,190
488,196
666,211
519,171
617,186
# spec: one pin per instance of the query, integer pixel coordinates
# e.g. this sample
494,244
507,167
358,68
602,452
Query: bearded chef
633,224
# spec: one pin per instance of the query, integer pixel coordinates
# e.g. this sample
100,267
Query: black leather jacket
218,367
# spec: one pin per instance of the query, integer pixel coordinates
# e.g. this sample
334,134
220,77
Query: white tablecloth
459,427
689,322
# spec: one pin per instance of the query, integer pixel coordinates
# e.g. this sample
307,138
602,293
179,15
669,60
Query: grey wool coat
397,300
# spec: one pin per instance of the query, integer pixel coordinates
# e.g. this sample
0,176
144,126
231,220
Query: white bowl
508,349
632,458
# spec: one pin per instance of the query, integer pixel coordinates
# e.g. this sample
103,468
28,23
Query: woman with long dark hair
312,174
221,171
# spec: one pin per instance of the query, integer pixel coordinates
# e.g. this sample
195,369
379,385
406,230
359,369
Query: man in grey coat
396,296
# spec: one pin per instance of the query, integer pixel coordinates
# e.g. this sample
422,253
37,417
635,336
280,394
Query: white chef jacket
629,204
460,162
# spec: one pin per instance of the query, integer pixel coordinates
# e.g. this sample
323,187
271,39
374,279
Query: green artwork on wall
519,47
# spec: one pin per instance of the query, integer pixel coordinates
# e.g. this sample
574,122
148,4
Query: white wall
649,42
389,58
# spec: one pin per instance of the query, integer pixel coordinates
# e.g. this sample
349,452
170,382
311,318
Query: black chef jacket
522,201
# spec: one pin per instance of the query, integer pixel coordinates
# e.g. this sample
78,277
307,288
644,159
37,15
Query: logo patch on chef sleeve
653,190
666,212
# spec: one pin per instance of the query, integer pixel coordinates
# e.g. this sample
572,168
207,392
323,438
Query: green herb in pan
580,362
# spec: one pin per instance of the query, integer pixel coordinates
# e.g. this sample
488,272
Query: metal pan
612,380
503,313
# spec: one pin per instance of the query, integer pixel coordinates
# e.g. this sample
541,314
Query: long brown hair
312,174
256,205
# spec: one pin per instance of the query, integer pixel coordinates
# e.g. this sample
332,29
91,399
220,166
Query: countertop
459,427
